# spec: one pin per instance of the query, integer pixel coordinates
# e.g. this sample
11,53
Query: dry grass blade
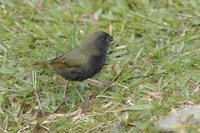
34,82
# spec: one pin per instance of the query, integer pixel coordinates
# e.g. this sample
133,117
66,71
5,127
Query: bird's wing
71,60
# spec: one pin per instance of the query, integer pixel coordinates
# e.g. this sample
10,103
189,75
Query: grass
156,50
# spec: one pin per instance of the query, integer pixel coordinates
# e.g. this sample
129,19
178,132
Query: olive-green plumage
84,61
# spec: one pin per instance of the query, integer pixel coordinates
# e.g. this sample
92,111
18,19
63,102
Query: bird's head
103,36
97,41
102,39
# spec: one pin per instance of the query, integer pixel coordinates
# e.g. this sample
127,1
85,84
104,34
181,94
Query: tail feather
42,63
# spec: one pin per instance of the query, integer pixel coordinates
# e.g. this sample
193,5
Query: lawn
155,54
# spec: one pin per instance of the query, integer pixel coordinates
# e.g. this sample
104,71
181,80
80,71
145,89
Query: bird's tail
42,63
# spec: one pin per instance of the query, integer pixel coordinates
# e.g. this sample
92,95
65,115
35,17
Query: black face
102,41
108,38
103,36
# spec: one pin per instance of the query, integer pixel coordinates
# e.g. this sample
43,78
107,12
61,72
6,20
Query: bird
84,61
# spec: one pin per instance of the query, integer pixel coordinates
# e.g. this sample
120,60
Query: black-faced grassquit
84,61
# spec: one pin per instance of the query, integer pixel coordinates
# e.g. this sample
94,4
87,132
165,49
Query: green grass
156,47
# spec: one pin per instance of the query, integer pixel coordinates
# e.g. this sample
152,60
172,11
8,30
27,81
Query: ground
155,53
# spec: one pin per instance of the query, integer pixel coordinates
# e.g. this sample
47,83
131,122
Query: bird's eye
106,39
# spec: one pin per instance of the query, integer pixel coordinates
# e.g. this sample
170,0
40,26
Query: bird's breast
90,68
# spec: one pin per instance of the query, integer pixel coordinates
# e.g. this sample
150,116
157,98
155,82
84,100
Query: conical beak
110,38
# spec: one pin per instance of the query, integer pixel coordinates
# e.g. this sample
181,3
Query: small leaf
1,99
138,55
5,70
137,107
119,53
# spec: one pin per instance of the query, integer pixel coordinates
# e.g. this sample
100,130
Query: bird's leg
65,91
